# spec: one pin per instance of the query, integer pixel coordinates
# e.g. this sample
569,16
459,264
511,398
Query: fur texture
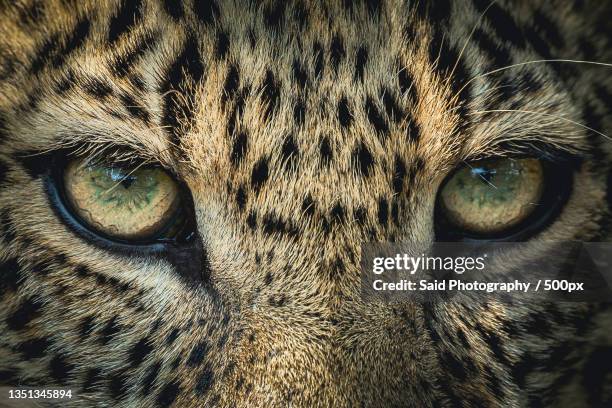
302,129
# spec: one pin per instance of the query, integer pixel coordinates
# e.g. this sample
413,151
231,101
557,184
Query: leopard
295,132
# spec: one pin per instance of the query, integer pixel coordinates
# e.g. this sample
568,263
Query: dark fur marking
110,330
326,151
122,64
413,132
299,112
375,117
206,10
75,40
273,224
117,385
97,88
270,94
549,29
232,82
10,276
133,108
308,206
274,14
24,314
360,215
128,15
399,175
406,83
290,152
394,112
383,212
140,351
260,174
149,380
361,59
344,113
168,394
222,45
174,8
239,148
336,52
34,348
299,73
93,377
596,370
205,381
60,369
198,354
241,198
337,213
252,220
6,227
502,22
86,326
499,54
363,159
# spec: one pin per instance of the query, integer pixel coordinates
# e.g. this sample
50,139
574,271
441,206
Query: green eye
492,196
124,203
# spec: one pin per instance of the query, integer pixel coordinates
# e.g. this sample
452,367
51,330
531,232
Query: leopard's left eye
123,203
497,198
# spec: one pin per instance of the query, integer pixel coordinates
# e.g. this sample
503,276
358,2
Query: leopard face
294,132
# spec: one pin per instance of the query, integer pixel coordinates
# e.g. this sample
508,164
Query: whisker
541,114
520,64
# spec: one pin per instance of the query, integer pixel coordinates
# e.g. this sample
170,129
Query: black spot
300,74
273,224
3,172
317,51
495,344
259,175
149,379
274,14
187,67
383,212
361,59
277,300
24,314
134,108
325,150
110,330
252,220
336,51
10,275
239,148
270,93
337,213
205,381
241,198
206,10
395,212
140,351
86,326
7,229
168,394
232,81
222,45
344,114
360,215
290,152
8,376
60,369
375,118
399,174
174,8
92,378
117,385
34,348
308,206
42,55
413,131
363,159
406,83
98,89
299,112
198,354
128,15
394,112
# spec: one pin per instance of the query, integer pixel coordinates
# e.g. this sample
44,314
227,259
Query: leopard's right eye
130,204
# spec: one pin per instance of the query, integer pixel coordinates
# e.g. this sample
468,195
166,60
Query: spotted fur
302,129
